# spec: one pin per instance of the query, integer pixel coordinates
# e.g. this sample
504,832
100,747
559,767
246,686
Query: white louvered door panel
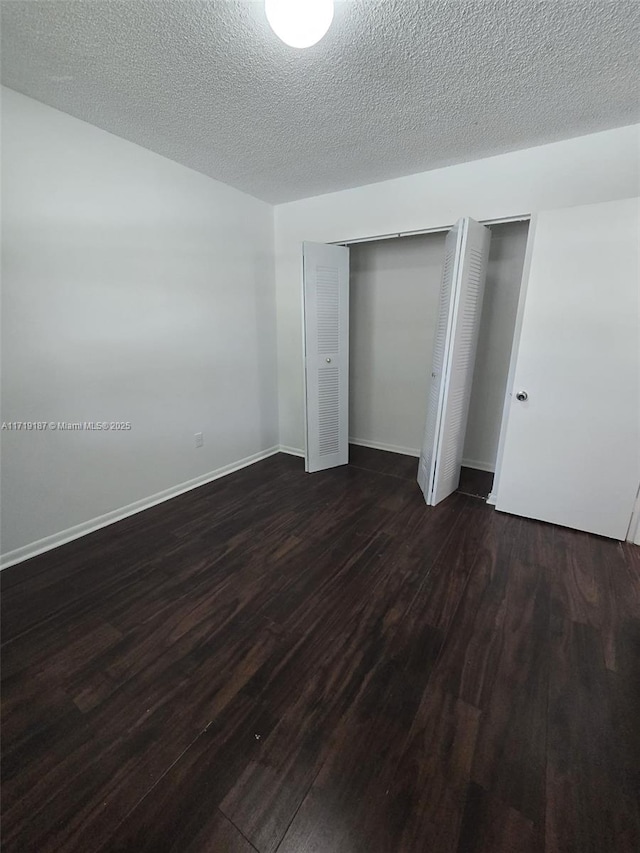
427,455
470,280
326,325
462,290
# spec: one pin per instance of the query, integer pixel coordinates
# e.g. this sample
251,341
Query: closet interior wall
394,289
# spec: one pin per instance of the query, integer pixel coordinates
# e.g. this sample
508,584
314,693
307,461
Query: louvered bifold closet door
326,324
471,275
443,328
465,267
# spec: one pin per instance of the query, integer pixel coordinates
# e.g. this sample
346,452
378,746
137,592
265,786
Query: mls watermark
66,426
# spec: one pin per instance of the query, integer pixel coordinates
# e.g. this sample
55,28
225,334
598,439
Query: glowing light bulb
299,23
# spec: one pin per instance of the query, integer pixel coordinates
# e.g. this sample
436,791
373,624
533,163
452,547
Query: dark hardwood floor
287,662
475,483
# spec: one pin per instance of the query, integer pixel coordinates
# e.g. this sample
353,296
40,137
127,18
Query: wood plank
380,791
383,462
588,808
360,800
180,812
467,666
510,759
491,826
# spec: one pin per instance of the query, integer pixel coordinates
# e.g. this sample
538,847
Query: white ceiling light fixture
299,23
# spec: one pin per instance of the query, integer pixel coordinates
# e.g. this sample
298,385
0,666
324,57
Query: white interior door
460,309
570,450
326,329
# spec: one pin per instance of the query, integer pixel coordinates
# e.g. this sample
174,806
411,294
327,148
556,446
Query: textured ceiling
396,87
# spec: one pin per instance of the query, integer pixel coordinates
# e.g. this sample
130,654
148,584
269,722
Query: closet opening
394,289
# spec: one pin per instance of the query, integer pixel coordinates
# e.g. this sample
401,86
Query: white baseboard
19,555
391,448
479,466
291,451
492,500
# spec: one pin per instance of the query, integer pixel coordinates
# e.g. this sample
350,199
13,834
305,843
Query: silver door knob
522,396
328,361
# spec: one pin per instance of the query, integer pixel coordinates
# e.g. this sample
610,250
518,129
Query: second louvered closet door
467,252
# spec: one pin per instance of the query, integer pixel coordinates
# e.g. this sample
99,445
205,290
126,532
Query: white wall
394,289
588,169
134,289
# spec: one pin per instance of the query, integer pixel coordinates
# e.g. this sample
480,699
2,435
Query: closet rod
525,217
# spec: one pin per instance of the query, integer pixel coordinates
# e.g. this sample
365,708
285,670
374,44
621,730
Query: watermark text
65,426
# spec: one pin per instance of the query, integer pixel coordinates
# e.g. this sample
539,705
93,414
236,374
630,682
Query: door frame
524,217
633,533
515,344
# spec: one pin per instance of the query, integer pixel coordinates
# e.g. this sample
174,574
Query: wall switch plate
199,439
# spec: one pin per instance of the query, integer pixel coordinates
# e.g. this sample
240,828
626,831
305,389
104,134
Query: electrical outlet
199,439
